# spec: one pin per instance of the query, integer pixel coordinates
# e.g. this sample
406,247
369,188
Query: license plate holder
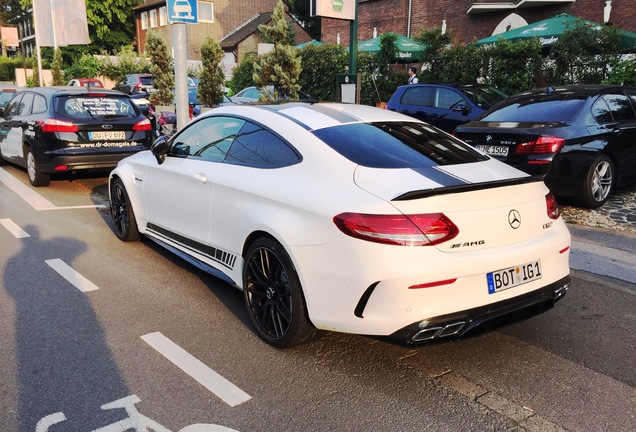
491,150
511,277
107,136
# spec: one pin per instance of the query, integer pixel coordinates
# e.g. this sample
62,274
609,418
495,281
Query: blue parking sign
183,11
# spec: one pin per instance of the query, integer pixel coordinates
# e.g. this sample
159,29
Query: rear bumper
478,320
60,163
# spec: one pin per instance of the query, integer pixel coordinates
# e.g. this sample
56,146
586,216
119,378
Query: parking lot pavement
604,239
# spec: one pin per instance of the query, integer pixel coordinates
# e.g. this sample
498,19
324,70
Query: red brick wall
391,15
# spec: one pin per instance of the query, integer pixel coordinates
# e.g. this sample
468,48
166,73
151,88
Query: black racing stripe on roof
338,116
440,177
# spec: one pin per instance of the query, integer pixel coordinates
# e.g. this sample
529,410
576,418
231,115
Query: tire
122,213
273,296
598,184
36,178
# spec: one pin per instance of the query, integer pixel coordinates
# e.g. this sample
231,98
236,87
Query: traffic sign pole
180,43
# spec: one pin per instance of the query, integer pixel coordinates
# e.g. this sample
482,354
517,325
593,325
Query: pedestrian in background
413,75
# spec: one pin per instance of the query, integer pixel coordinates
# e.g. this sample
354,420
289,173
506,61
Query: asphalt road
88,320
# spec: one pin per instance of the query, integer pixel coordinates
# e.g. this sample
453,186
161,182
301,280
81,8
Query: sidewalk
604,239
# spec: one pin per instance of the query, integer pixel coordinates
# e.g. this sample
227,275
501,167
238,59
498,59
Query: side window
601,112
208,139
447,98
257,147
12,107
632,96
39,104
418,96
619,106
25,104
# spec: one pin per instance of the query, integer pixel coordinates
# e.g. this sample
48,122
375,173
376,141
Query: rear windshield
97,107
397,145
544,111
484,97
146,80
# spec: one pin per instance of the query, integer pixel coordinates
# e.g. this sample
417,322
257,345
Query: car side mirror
160,149
460,108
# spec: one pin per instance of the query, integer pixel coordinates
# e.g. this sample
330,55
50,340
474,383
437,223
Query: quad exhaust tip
438,332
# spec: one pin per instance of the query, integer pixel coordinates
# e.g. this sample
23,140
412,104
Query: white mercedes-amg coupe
348,218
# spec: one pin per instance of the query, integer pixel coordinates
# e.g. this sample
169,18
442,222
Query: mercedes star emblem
514,219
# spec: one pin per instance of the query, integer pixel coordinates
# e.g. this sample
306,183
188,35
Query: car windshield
146,80
94,106
536,111
484,97
397,145
5,97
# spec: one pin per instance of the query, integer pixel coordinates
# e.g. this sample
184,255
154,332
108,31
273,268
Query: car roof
317,115
71,90
572,91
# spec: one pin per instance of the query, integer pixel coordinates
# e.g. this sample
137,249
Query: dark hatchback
53,130
444,106
581,139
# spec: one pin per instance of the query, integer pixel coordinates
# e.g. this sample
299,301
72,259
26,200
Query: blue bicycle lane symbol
135,421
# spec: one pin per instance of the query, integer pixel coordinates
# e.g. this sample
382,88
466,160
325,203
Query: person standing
413,75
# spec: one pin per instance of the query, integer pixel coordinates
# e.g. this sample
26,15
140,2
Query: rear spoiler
424,193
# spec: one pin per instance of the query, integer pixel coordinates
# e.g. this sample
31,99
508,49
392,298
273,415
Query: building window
153,18
163,16
205,11
144,20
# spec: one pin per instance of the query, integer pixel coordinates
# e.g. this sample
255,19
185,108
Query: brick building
231,23
469,20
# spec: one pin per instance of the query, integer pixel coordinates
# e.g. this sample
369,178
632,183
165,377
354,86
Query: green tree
280,67
126,62
242,75
56,68
86,67
211,78
161,69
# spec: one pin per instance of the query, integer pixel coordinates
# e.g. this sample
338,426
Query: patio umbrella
407,50
311,42
549,30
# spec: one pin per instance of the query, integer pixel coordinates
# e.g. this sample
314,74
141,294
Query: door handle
201,178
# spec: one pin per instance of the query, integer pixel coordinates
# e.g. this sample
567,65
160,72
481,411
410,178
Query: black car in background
53,130
581,139
444,106
135,84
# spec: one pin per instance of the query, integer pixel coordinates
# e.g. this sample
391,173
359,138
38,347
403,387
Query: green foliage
162,73
242,76
378,79
460,64
280,67
388,50
582,55
8,67
513,66
434,41
86,67
56,69
125,63
621,72
321,64
211,79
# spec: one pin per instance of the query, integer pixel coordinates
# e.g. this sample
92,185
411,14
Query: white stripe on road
231,394
33,198
79,281
14,229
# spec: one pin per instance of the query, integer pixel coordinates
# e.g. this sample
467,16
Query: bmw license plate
493,150
513,276
107,135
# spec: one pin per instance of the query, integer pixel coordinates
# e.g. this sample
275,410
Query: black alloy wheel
122,212
273,296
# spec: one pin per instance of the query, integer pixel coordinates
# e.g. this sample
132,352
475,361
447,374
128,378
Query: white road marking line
68,273
231,394
14,229
33,198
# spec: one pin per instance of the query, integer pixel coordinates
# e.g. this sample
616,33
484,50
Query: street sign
183,11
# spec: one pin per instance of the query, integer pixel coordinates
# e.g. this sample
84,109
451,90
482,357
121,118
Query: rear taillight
542,145
552,206
54,125
403,230
143,125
